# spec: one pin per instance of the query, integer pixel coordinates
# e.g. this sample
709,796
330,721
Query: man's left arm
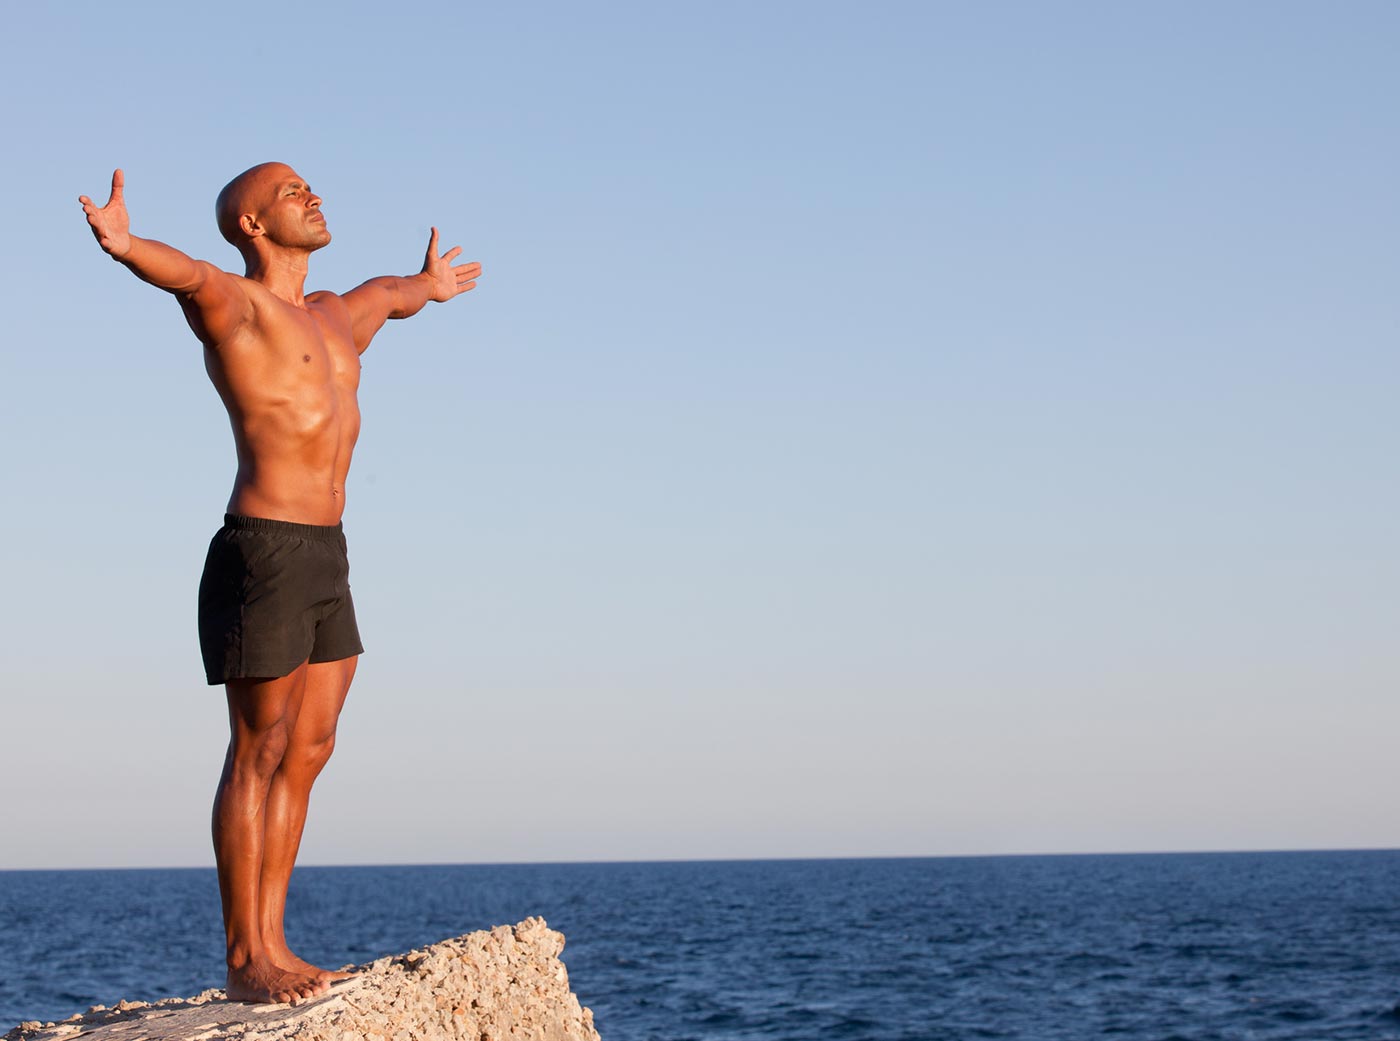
389,296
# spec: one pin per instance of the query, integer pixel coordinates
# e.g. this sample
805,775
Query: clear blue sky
885,429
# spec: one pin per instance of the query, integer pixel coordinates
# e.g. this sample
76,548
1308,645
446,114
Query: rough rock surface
504,985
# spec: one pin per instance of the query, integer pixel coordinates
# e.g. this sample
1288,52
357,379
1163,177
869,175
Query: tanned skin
287,366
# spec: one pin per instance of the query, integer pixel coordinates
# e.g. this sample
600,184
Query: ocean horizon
1272,944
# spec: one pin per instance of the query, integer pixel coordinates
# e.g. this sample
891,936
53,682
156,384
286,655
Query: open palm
110,224
448,281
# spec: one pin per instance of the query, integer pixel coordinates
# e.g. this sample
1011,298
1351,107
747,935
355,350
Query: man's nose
314,201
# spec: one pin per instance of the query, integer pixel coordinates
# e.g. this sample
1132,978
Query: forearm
407,294
162,266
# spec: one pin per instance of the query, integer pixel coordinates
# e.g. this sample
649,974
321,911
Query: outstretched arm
379,299
215,295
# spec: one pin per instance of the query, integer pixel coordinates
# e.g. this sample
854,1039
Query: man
276,622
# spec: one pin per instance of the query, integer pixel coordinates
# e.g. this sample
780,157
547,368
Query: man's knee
261,754
309,755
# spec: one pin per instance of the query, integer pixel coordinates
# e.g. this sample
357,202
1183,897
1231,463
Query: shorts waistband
267,526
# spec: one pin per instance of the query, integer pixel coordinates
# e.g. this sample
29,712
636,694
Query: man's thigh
259,706
327,684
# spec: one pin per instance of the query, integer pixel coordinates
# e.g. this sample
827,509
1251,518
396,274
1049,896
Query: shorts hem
322,659
253,672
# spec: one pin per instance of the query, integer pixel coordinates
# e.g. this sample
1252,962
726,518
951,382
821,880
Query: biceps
370,306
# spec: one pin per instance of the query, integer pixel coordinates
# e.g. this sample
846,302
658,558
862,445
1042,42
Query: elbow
399,299
194,280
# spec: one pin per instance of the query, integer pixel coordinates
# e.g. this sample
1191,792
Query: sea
1297,945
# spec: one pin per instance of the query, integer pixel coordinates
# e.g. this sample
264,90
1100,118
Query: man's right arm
217,298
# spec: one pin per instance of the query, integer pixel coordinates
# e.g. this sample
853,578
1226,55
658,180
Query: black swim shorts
274,594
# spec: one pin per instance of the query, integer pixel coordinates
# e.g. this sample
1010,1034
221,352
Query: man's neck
282,272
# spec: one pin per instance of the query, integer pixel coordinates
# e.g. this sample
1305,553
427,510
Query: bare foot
284,959
262,981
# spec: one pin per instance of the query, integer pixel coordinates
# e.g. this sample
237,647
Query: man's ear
249,225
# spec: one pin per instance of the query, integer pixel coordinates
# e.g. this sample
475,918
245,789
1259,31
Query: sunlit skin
287,366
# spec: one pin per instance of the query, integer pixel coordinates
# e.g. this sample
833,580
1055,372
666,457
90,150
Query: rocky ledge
504,985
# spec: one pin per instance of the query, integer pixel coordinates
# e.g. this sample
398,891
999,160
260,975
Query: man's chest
314,348
302,358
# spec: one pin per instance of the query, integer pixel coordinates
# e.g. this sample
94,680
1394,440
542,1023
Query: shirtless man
277,625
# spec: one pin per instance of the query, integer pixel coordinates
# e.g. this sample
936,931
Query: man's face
291,213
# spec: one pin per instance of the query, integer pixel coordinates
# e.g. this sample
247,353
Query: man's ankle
238,956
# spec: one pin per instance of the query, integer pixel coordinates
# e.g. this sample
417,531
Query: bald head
244,194
271,208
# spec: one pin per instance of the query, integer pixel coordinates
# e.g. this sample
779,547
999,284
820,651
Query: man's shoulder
252,290
328,303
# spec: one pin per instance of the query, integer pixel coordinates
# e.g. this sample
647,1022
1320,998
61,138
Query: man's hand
447,281
110,225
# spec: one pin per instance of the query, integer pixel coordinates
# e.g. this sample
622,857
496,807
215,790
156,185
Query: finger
84,200
452,254
118,183
469,270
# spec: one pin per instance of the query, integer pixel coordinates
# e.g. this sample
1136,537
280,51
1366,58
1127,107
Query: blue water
1190,946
